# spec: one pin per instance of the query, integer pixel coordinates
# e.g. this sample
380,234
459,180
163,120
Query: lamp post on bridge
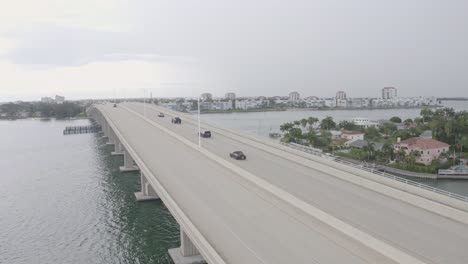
144,102
199,129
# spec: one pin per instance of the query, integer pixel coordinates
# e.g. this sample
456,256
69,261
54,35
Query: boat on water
275,134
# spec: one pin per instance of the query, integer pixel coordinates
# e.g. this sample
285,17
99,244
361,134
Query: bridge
281,205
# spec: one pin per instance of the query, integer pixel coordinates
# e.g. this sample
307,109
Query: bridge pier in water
119,149
112,137
187,253
147,192
129,164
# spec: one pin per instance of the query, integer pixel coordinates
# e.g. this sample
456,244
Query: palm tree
311,121
370,148
303,122
388,151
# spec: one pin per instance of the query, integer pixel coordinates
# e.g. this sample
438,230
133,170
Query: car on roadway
205,134
161,115
115,105
238,155
176,120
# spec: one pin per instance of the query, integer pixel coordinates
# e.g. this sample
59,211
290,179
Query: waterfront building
427,148
389,93
342,103
340,95
206,97
364,122
230,96
294,96
246,104
59,99
47,100
330,103
222,105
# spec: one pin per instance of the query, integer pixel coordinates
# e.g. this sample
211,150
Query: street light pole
144,103
199,129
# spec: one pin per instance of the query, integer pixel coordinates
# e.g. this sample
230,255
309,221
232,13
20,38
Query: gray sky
98,48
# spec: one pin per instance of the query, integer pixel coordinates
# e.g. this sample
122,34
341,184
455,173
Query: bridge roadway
427,236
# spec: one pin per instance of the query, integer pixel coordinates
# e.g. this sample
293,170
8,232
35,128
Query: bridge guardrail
374,171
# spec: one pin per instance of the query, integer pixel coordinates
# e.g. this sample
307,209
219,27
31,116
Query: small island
434,142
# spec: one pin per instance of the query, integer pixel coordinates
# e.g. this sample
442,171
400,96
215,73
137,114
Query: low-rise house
427,148
336,134
352,134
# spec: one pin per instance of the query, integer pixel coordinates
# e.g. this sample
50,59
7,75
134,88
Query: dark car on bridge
205,134
115,105
176,120
161,115
238,155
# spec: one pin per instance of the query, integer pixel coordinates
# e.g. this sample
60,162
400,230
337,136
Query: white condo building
389,93
294,96
206,96
230,96
340,95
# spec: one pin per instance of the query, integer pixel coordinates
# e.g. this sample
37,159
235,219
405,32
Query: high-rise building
230,96
389,93
206,97
47,100
340,95
294,96
59,99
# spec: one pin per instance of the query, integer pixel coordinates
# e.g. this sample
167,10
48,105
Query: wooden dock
71,130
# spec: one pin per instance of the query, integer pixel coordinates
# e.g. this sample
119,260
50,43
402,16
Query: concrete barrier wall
428,200
355,233
205,248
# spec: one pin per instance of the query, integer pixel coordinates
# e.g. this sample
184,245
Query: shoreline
310,109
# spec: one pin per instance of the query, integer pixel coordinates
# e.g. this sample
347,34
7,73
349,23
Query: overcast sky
103,48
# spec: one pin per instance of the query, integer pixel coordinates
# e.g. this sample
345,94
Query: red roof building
428,148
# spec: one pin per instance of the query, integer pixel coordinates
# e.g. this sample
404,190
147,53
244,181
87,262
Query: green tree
388,128
370,149
426,114
286,127
304,122
327,123
311,121
348,125
408,121
388,152
372,134
395,119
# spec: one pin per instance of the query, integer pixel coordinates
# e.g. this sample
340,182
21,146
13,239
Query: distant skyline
96,49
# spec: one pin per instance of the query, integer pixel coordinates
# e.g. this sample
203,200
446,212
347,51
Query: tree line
35,109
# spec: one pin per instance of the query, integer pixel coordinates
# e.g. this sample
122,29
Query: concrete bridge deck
246,224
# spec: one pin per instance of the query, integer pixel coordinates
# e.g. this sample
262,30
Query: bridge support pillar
187,253
147,192
105,129
129,164
119,149
112,137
